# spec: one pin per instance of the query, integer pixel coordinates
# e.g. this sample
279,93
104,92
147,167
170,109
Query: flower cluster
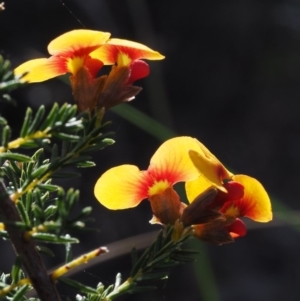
217,198
83,53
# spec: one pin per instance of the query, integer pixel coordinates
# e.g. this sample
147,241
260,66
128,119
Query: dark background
231,79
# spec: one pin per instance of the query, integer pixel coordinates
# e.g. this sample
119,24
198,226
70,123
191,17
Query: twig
26,249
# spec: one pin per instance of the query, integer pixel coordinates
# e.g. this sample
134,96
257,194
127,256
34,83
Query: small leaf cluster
99,294
163,254
45,208
79,136
51,142
152,266
16,275
8,81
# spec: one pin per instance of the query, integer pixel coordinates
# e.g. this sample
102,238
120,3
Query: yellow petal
196,187
121,187
139,51
77,40
41,69
256,203
209,166
129,51
171,161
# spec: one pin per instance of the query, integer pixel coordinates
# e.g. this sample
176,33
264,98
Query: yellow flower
83,53
126,186
217,197
254,203
69,53
126,53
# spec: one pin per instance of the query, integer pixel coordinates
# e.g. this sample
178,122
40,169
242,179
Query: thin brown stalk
27,251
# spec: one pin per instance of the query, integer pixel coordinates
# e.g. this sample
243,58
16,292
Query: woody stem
26,249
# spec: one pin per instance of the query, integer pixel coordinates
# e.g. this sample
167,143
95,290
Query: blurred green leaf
15,156
144,122
45,250
15,271
79,286
51,238
18,296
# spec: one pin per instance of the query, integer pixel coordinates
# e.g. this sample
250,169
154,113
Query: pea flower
77,52
217,197
126,186
235,196
126,53
69,53
128,66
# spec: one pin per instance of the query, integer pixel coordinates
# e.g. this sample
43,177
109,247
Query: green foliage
14,277
54,141
152,266
79,134
78,286
45,208
164,252
8,81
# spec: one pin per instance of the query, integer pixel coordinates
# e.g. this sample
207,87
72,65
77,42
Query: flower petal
194,188
255,203
109,52
79,41
198,212
86,89
93,65
138,69
209,166
235,190
42,69
166,207
237,229
121,187
115,90
214,232
171,161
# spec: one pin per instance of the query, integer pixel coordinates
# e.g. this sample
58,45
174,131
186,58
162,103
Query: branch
26,249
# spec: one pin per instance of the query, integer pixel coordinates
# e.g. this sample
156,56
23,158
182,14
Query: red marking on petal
77,52
106,53
93,65
235,190
159,173
138,69
149,179
143,185
237,228
59,62
133,53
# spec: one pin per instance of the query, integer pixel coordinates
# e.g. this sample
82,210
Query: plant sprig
8,81
152,266
80,136
63,139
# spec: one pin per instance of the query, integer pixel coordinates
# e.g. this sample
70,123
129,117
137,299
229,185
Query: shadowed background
231,79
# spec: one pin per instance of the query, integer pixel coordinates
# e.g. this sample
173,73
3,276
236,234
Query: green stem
122,289
20,141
